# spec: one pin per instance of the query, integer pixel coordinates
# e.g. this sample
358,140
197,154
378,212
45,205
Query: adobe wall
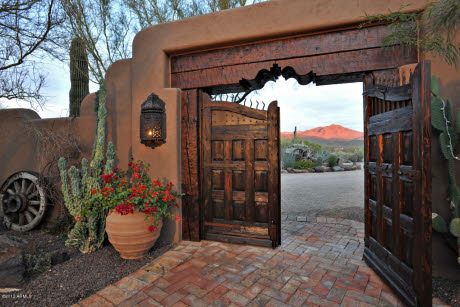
29,143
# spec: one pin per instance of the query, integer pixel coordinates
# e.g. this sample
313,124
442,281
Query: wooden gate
398,184
240,176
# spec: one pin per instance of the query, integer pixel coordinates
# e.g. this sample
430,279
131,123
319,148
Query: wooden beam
293,47
190,170
326,64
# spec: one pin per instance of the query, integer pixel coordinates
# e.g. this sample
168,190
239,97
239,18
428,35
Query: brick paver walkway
318,264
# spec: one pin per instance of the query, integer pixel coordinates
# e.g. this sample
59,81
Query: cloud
309,106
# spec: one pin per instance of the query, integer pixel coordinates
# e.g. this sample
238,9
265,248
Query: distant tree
25,28
150,12
431,30
105,28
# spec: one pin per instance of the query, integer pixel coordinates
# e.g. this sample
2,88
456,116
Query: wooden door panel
397,183
239,157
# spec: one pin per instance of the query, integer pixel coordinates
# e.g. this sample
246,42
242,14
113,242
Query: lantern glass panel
153,126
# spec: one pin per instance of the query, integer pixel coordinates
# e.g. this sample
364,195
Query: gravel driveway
334,194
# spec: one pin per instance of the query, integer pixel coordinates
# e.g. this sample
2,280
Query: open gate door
240,173
397,134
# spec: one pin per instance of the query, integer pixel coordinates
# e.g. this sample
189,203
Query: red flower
78,218
152,228
156,183
106,191
93,191
124,209
107,178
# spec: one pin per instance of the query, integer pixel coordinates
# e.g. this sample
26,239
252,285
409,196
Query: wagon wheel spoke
30,196
29,216
23,185
32,210
17,187
21,219
24,201
29,188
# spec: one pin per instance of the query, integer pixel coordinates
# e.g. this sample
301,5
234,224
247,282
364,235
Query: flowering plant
134,190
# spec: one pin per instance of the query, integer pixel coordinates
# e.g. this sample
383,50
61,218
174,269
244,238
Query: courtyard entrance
397,142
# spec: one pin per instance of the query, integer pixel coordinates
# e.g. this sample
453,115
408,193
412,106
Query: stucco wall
29,143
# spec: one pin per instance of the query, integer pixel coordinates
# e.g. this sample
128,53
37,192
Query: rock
12,266
349,167
289,170
300,171
322,169
346,164
283,171
301,218
337,169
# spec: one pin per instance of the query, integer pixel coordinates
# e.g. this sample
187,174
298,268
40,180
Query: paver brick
318,264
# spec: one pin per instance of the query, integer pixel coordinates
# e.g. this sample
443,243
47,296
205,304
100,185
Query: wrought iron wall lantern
153,122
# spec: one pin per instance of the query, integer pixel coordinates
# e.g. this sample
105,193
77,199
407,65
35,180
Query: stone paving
318,264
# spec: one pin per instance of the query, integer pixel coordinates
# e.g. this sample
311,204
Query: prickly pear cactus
88,233
442,121
79,78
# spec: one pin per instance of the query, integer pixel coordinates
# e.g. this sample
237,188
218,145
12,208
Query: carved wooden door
240,173
398,182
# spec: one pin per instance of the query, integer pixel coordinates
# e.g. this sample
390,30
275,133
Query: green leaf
437,117
435,85
438,223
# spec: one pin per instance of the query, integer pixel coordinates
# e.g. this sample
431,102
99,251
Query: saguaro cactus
88,232
79,79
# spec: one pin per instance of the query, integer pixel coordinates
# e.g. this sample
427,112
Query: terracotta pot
129,234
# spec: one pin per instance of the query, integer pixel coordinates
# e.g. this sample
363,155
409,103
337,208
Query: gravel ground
332,194
80,276
447,290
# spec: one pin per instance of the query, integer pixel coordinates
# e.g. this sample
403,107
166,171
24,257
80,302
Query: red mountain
331,132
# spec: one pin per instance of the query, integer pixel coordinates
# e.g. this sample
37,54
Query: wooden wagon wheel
22,201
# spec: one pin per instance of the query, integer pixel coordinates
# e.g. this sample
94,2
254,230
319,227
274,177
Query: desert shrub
332,160
305,164
288,160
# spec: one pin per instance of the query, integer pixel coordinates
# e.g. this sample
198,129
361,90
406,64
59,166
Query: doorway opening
321,148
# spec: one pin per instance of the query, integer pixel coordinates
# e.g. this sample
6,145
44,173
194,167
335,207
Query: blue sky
304,106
